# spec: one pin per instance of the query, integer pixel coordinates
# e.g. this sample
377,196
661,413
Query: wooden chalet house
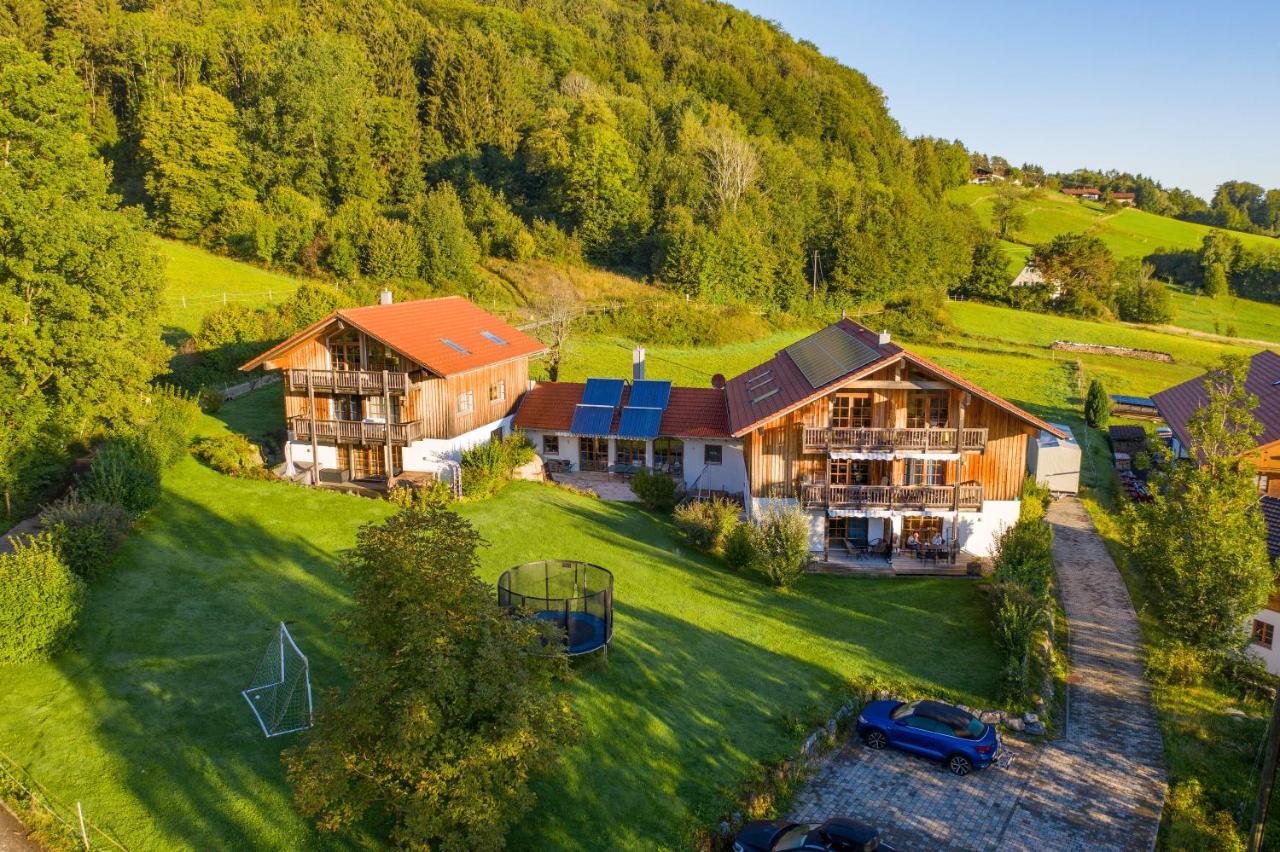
377,392
875,442
1178,403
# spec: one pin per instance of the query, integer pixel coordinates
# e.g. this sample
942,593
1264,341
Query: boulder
992,717
1035,729
1014,724
531,471
1030,718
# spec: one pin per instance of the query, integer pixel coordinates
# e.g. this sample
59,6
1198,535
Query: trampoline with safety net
575,596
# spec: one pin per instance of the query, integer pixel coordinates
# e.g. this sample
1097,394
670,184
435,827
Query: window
347,407
712,454
773,441
926,409
382,358
344,350
923,526
851,411
1264,482
447,342
926,472
846,532
493,338
375,409
848,472
629,451
498,392
1263,633
466,402
668,455
551,445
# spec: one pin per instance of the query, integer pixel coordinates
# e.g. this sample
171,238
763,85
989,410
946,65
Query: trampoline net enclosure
576,596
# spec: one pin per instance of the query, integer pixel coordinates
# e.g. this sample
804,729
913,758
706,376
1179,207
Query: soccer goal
280,694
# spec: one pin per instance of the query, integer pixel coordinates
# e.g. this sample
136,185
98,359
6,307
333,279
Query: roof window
447,342
493,338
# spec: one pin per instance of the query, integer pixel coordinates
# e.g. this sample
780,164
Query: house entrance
593,454
367,462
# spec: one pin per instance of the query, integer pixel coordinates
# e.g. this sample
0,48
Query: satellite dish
717,381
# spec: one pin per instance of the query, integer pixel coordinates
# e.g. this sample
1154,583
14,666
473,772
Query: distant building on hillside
1029,276
1124,199
1088,193
985,176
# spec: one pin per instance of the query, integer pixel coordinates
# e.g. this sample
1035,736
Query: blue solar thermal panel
592,420
602,392
650,393
639,422
1132,400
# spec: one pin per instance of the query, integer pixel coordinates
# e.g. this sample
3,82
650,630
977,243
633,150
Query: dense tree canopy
689,140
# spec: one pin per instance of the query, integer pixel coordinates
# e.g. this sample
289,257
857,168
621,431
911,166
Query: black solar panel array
826,355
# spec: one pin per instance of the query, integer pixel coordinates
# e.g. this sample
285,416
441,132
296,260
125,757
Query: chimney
384,298
637,364
884,338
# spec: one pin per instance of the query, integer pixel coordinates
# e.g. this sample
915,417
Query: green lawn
1129,232
197,281
143,723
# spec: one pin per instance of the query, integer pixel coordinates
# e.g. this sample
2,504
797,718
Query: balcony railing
892,496
931,439
347,381
354,431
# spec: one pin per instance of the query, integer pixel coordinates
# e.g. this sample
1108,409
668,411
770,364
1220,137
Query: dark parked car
932,729
834,835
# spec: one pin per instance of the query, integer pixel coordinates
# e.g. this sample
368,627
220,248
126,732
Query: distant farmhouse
1029,276
983,176
1124,199
1088,193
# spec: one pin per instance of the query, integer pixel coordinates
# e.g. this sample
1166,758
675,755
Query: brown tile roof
690,413
1270,507
1123,196
1082,190
794,389
1179,402
419,329
1127,439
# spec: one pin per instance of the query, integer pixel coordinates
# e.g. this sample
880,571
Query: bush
707,523
487,467
211,399
1035,499
40,601
1193,823
85,534
742,546
1023,606
1097,406
1176,663
169,418
126,472
657,490
232,455
436,493
784,545
676,322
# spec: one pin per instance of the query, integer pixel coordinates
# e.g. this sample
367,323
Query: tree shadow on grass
167,643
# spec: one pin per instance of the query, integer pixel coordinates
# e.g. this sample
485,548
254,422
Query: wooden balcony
347,381
892,496
932,439
354,431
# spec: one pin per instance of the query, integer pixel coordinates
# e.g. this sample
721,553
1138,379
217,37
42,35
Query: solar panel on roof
639,422
650,393
1132,400
826,355
591,420
602,392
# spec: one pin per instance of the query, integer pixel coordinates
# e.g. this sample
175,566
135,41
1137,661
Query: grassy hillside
1128,232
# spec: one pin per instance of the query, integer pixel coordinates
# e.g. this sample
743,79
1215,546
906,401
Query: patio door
367,462
593,453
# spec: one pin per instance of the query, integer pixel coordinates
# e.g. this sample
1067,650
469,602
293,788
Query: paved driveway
1100,786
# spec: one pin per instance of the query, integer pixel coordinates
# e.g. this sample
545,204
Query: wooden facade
977,444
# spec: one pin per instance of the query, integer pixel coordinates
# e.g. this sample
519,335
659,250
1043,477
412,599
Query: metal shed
1056,461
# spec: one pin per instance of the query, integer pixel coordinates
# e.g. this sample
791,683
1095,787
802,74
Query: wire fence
72,819
226,297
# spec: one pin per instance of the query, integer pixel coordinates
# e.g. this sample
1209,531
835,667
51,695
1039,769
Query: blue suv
933,729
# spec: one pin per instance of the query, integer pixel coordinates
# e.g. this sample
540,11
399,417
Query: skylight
493,338
762,397
447,342
759,379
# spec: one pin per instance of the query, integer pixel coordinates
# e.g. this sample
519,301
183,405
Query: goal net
280,693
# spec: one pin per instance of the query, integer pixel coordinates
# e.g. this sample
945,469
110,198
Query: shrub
85,534
1193,823
1176,663
435,493
126,472
487,467
1035,499
211,399
676,322
1097,406
742,546
1022,584
706,523
784,545
657,490
40,601
170,416
233,455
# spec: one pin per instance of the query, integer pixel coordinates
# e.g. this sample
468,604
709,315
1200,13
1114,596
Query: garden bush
742,546
783,545
487,467
85,533
170,415
1023,591
1035,499
211,399
40,601
656,490
125,471
233,455
1176,663
436,493
707,523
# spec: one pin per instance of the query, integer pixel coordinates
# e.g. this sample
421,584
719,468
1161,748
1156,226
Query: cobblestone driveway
1101,786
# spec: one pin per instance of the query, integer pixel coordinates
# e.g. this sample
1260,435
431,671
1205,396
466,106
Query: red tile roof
418,330
690,413
1123,196
794,389
1179,402
1082,190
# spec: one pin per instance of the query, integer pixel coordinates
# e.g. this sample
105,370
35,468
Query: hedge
86,533
40,601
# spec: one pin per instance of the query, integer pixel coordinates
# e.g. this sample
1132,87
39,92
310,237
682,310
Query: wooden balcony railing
347,381
892,496
354,431
932,439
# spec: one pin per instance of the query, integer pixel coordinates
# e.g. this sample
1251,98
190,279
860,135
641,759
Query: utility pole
1267,782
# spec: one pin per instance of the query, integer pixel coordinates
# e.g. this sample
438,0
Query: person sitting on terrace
913,542
938,541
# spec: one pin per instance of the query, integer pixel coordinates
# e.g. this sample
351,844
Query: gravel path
1100,786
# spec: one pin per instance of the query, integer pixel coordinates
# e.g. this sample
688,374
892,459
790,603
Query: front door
593,453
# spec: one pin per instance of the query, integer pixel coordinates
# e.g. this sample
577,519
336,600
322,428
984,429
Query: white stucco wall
568,446
300,451
979,531
730,475
428,453
1270,656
